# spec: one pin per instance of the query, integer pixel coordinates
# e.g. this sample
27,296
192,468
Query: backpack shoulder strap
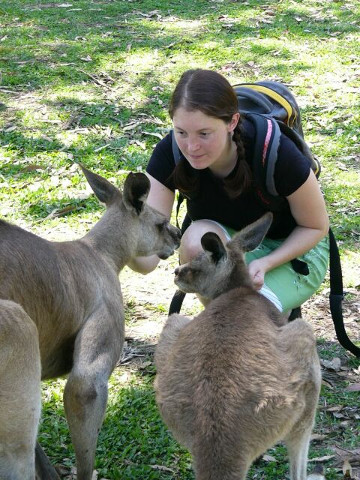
267,140
177,157
178,298
266,145
175,149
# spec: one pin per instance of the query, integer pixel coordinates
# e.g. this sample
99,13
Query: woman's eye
204,134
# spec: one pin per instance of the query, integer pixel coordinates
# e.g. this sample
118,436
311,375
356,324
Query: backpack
273,110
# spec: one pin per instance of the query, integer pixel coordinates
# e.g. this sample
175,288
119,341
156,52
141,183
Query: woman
215,176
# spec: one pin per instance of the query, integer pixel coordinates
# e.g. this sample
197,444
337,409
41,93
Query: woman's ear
234,121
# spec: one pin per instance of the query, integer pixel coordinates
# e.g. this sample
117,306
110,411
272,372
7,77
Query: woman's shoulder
164,146
292,166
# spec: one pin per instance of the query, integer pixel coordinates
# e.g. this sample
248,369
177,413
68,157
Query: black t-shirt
211,201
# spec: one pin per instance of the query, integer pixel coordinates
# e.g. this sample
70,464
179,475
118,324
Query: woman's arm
162,199
308,209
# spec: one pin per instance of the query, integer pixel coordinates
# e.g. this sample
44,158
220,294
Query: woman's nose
193,145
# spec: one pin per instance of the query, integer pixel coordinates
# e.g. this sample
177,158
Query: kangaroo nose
176,271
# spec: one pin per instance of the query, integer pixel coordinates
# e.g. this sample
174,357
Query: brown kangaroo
71,291
237,378
20,392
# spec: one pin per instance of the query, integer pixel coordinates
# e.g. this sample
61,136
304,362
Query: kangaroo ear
104,190
212,243
251,236
136,191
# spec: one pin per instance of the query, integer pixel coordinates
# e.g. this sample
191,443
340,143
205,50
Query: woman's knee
191,240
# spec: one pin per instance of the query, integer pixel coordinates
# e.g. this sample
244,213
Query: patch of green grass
74,78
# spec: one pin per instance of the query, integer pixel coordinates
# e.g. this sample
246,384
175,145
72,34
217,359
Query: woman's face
203,140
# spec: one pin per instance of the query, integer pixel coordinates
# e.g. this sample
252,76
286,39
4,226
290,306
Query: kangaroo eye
161,226
194,271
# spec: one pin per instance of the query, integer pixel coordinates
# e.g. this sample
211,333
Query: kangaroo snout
184,278
174,243
176,234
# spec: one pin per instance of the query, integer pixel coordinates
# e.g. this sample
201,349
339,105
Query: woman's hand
257,270
308,209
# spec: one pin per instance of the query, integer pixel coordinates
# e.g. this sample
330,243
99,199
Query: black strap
266,145
176,302
336,297
175,149
177,157
178,205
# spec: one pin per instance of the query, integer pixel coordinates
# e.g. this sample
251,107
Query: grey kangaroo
237,378
71,291
20,392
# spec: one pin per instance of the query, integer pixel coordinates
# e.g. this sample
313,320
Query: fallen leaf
334,364
10,129
335,408
131,126
60,212
317,437
32,167
347,470
162,468
101,148
268,458
154,134
325,458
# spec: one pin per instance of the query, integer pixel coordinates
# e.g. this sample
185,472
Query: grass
90,81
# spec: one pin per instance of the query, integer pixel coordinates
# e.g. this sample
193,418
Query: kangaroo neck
237,278
110,241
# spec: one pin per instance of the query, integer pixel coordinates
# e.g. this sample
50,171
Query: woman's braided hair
210,93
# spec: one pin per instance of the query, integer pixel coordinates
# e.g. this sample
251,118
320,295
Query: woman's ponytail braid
238,140
241,180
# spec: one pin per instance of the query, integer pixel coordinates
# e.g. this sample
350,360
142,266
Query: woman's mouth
196,157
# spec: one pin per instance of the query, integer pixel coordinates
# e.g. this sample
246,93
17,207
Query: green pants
283,286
